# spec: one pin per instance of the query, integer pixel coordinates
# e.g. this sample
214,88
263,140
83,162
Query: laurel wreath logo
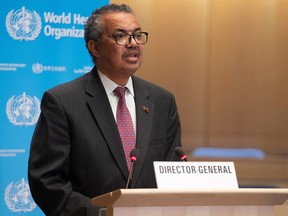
10,205
12,118
13,34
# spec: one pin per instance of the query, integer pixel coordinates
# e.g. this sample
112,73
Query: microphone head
134,154
181,154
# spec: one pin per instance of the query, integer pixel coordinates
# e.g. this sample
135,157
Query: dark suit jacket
76,151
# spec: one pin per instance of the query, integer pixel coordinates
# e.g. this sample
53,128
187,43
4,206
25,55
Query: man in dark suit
76,151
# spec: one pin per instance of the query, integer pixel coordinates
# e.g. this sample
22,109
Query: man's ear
93,48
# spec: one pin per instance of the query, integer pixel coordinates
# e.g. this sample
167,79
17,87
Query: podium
162,202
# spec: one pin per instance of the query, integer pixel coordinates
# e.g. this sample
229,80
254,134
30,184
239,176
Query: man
76,151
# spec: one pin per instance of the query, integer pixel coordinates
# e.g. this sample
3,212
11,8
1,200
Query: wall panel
226,63
248,100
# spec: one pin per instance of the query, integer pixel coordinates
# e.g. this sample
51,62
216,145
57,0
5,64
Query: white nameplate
198,175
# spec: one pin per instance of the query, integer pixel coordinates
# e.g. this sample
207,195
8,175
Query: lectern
162,202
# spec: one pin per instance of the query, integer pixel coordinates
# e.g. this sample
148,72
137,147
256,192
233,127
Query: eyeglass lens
125,39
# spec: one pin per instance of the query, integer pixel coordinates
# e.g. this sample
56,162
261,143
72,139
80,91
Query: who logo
23,110
18,197
23,24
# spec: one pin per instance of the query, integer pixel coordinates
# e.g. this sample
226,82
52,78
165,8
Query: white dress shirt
109,86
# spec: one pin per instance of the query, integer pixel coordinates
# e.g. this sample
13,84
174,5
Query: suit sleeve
48,167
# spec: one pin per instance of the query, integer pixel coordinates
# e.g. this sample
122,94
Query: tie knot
120,91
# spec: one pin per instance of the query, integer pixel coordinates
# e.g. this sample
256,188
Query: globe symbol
23,24
18,197
23,110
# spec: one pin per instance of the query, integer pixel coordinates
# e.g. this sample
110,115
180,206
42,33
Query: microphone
181,154
133,157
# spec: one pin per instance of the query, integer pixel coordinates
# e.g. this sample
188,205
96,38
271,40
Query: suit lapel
144,115
101,109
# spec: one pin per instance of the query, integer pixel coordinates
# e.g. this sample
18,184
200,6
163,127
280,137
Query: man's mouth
132,57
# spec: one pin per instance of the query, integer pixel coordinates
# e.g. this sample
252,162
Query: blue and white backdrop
41,45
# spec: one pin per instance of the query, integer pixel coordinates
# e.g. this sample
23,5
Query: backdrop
41,46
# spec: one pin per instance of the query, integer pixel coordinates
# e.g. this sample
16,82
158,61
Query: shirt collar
109,85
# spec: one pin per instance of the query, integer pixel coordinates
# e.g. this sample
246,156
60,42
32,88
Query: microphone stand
130,173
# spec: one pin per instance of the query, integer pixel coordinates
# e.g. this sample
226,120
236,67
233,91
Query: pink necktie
125,125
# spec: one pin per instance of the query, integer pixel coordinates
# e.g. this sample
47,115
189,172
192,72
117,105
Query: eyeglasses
124,39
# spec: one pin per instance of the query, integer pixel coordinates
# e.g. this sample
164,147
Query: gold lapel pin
146,109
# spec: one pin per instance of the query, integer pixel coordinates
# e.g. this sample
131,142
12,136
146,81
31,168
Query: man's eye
119,36
138,35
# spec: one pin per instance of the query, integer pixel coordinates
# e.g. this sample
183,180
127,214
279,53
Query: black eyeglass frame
130,36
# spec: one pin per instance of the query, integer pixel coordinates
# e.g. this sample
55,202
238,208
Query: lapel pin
146,109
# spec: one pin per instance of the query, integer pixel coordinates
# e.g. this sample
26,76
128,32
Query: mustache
132,51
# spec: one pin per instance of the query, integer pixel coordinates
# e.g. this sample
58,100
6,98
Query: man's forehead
121,20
